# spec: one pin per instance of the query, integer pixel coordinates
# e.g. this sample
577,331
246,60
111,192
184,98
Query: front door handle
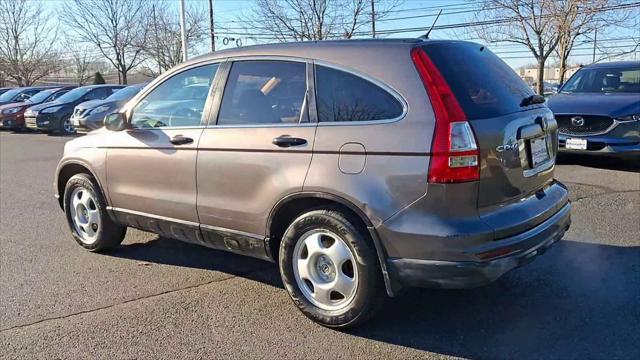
181,140
287,141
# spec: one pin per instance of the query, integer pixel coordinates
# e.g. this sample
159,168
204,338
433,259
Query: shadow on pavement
578,300
174,252
600,162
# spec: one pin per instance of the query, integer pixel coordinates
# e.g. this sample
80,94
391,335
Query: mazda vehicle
12,114
21,94
598,110
360,167
89,115
56,116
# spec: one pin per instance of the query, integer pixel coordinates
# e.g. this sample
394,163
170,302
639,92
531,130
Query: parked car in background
598,110
12,114
56,116
89,115
429,163
21,94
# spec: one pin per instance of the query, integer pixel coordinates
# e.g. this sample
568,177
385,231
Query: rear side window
483,84
342,96
264,92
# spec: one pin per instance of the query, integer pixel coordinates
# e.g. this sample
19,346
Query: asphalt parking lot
159,298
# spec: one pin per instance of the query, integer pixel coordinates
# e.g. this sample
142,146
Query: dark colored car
21,94
598,110
56,116
12,114
89,115
359,166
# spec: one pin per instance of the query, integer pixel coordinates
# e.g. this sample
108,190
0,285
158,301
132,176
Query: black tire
369,295
109,234
61,128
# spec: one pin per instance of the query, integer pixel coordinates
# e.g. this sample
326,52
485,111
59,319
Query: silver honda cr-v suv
360,167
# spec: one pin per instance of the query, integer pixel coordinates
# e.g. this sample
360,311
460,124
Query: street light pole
183,32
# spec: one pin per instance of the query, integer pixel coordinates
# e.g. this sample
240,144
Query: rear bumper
518,250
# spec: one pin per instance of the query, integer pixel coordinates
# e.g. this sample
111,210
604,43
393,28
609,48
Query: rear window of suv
483,84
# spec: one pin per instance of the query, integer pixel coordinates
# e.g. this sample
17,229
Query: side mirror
116,122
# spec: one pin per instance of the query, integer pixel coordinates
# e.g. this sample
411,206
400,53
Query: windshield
9,95
604,80
41,96
126,93
73,95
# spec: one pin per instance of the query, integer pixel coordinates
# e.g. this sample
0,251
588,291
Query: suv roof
304,49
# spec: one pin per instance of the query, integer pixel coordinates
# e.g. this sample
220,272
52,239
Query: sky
422,13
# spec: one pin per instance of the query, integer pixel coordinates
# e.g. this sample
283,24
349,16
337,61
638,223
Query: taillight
454,151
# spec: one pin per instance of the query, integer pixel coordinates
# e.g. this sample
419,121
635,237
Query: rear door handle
181,140
287,141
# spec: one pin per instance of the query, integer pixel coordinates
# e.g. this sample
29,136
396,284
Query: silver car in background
89,115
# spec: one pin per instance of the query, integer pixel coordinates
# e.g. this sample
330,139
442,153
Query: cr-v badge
507,147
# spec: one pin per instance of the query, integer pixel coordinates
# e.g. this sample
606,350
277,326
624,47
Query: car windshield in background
73,95
604,80
9,94
41,96
125,94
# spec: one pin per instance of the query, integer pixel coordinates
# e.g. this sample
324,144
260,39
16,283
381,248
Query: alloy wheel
85,215
325,270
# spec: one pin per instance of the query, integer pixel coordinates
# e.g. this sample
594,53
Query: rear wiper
533,99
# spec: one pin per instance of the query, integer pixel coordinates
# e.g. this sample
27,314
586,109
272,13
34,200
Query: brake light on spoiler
454,151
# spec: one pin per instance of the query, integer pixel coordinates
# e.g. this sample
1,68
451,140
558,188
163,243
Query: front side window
178,101
342,96
264,92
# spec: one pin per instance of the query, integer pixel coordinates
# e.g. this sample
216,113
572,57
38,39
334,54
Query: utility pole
373,18
183,32
213,38
595,43
157,43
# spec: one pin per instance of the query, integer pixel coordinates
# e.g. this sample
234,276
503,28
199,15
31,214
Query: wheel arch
291,206
68,169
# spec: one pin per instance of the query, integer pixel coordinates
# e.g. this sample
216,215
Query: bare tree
27,40
577,18
298,20
163,43
115,27
80,63
524,22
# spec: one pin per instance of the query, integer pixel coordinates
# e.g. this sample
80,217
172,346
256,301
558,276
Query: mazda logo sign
577,121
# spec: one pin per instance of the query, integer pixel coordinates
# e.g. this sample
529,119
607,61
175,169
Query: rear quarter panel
394,153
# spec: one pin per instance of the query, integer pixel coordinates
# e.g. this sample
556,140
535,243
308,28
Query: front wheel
330,269
66,126
86,214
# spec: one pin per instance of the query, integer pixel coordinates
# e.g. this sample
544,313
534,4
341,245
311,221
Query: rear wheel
86,214
330,269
